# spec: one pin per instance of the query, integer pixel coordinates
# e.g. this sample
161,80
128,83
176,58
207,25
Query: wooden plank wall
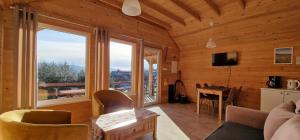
89,14
254,38
9,69
1,57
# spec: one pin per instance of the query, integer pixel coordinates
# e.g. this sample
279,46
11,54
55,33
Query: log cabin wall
9,54
1,56
85,13
263,27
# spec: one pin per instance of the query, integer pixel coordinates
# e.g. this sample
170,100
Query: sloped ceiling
183,19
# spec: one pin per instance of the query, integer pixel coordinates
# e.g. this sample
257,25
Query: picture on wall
283,55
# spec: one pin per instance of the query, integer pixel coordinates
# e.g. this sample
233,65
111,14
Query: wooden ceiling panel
185,7
233,13
213,6
163,11
184,17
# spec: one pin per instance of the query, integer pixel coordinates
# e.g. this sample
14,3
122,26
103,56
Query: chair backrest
39,124
197,87
237,96
205,85
38,116
113,99
231,95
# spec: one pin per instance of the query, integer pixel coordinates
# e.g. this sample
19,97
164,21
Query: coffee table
125,125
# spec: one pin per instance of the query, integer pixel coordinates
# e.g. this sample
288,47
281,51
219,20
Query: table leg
220,107
198,102
155,130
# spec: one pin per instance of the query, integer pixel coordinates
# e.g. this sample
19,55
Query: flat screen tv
225,59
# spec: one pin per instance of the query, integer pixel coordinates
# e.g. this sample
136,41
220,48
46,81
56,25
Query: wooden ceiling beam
242,3
163,11
186,8
143,17
213,6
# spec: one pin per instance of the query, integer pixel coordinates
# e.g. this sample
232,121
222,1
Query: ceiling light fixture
211,43
131,8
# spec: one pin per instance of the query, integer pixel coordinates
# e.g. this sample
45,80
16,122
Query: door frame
159,70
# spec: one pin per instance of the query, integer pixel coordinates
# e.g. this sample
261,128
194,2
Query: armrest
34,116
246,116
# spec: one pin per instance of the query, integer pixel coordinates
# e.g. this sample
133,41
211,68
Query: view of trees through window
60,64
120,66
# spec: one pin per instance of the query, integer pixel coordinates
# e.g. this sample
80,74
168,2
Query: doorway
151,75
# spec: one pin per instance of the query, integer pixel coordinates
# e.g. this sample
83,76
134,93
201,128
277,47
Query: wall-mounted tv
225,59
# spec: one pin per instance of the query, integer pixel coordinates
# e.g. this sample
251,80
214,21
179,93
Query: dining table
219,91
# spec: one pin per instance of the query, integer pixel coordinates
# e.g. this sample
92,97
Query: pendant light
211,43
131,8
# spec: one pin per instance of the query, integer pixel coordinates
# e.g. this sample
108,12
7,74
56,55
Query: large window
121,65
61,65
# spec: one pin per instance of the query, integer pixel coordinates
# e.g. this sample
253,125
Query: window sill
56,102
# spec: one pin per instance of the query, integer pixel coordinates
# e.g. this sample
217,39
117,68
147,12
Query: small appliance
274,82
293,84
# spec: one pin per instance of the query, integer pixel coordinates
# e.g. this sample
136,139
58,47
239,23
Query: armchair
112,100
40,125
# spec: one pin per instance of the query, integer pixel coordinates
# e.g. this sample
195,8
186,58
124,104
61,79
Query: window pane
120,66
60,64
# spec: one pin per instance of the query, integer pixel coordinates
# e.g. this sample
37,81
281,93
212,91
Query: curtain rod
51,17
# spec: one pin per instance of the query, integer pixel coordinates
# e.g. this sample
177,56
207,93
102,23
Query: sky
60,47
120,56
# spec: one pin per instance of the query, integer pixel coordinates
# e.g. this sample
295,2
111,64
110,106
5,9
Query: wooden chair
230,98
237,96
112,100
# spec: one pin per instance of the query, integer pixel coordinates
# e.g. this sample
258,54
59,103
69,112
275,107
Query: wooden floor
180,122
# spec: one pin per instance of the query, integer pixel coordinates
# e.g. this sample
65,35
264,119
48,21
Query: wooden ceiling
185,17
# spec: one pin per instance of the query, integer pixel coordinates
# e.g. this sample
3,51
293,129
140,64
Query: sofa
282,123
40,125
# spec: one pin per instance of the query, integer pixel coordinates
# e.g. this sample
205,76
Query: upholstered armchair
112,100
40,125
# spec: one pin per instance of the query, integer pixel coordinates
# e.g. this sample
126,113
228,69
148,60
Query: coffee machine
274,82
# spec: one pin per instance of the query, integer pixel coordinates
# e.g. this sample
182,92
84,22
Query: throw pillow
277,117
289,130
297,110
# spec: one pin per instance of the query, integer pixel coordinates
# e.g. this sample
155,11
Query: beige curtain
102,39
26,87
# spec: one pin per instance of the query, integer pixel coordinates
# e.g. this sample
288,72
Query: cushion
234,131
277,117
297,110
289,130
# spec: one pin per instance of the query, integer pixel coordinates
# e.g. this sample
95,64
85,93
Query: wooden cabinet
270,98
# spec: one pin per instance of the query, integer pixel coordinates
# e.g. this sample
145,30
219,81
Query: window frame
62,101
133,61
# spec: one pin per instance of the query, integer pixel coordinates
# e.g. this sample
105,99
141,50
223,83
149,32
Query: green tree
59,73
